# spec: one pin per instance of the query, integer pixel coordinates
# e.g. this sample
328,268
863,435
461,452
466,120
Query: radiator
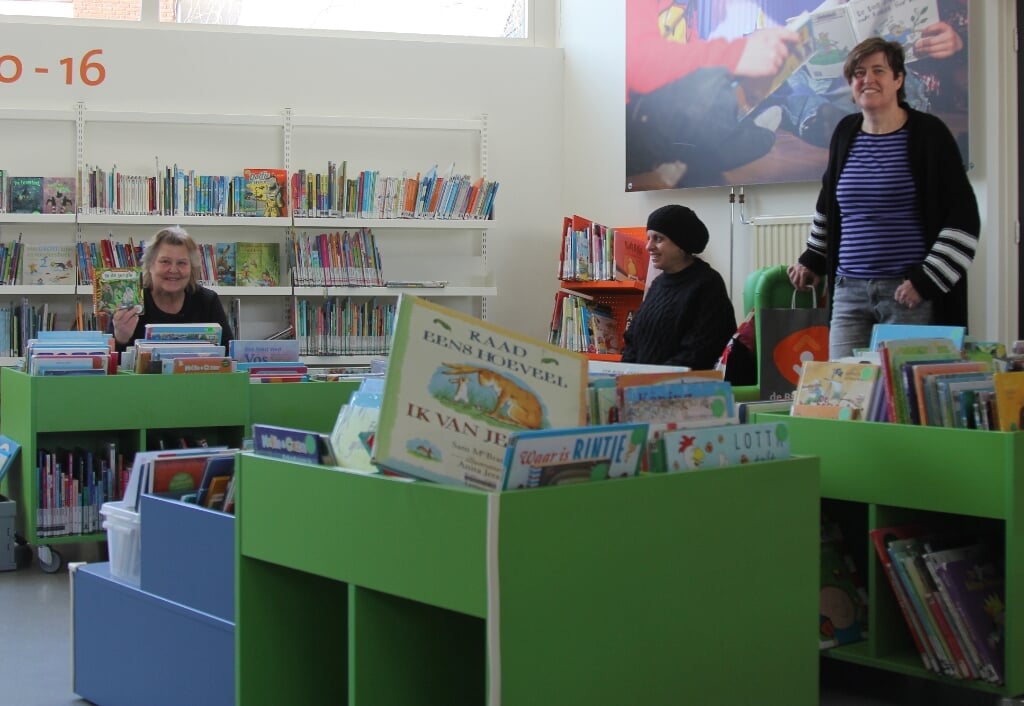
779,240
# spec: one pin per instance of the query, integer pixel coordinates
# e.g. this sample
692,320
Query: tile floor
35,654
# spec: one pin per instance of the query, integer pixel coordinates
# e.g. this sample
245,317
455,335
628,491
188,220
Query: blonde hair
172,235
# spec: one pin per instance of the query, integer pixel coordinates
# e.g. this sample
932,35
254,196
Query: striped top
883,233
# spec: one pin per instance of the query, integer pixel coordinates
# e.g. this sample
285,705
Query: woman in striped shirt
896,224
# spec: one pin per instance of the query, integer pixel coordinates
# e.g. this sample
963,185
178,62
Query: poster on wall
741,92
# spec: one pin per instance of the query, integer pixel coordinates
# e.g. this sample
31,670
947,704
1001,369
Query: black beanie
680,225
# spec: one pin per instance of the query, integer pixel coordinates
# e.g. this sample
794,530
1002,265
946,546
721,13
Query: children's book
182,333
697,403
265,192
882,333
843,601
728,445
925,391
975,583
25,194
48,264
751,91
355,428
213,486
1009,389
836,390
897,352
456,387
224,258
117,288
285,350
567,455
629,251
258,264
287,443
880,538
58,194
8,451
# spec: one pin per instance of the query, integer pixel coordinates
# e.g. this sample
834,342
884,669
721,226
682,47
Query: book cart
131,411
878,475
662,589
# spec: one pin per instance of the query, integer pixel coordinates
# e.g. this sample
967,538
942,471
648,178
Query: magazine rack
879,475
418,593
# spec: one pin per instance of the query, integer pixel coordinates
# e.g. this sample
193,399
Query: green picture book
117,288
258,264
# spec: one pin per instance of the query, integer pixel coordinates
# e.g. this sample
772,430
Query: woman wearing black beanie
686,317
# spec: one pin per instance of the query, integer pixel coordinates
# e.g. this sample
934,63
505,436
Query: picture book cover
881,333
975,583
456,387
265,192
182,333
178,475
287,443
543,457
355,429
880,538
752,91
8,451
847,389
899,351
117,288
924,375
48,263
1009,389
729,445
840,27
629,252
284,350
605,334
258,264
699,402
214,483
224,258
59,194
843,600
25,194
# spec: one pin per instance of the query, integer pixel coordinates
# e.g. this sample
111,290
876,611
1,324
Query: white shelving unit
145,142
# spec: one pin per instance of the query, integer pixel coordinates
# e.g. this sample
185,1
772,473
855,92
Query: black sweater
201,307
685,319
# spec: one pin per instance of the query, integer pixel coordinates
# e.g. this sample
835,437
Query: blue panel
131,647
188,555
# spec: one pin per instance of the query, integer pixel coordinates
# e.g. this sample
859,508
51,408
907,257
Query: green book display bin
662,589
879,475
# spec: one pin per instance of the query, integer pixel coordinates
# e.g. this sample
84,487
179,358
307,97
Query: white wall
163,69
592,35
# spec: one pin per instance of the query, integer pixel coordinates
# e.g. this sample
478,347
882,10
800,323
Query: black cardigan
946,201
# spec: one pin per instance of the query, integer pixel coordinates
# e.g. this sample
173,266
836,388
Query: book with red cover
629,252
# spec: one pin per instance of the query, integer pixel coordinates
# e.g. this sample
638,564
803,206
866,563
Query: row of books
204,476
265,192
344,326
73,485
924,381
36,194
950,589
345,258
371,195
591,251
582,324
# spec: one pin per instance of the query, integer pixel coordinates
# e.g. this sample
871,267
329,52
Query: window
464,18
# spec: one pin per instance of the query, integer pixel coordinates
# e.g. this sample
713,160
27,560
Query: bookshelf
878,475
129,410
144,143
458,596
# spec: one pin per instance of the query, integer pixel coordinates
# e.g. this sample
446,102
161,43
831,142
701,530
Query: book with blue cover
8,451
700,402
881,333
543,457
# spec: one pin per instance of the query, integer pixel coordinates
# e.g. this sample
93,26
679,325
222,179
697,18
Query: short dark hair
893,54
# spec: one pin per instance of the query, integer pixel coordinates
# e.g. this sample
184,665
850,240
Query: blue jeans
859,304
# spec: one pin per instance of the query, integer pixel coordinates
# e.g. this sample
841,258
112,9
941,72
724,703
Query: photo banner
742,92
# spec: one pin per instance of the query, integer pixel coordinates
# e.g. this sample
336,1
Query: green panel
290,637
201,401
409,653
962,471
312,406
690,588
417,540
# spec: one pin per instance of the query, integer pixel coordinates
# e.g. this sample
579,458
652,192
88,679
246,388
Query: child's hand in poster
766,51
938,41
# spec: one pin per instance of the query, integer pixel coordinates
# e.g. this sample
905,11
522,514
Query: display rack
666,586
879,475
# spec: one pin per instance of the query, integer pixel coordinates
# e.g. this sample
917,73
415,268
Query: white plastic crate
123,541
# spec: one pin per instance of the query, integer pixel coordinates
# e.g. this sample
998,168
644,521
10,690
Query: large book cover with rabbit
456,388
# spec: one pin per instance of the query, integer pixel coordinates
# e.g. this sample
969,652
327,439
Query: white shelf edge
403,223
211,221
387,123
253,291
328,360
37,114
450,291
37,289
131,116
37,218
